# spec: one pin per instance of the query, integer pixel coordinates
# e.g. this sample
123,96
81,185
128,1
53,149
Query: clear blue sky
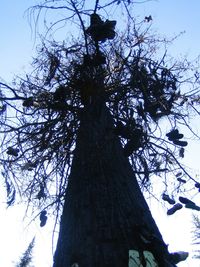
170,17
16,46
174,16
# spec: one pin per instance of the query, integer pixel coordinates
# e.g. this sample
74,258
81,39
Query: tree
86,135
196,234
27,255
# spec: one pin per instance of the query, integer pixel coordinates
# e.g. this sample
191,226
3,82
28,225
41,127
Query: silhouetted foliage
196,234
143,93
147,93
26,258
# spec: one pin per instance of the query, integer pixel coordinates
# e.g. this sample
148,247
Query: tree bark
105,214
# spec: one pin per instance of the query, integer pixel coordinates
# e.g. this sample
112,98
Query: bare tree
83,134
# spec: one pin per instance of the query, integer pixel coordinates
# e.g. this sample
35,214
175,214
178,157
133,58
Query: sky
17,47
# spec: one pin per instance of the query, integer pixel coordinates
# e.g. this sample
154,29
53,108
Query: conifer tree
26,258
99,120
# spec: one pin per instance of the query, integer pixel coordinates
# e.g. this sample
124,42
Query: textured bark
105,214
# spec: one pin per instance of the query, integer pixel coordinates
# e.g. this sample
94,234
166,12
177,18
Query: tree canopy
150,95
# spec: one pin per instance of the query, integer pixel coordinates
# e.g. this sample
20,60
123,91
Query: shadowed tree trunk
105,214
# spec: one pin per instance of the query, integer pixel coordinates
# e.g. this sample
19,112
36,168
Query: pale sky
170,17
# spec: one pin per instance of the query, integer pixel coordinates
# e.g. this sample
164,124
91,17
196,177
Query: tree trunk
105,214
